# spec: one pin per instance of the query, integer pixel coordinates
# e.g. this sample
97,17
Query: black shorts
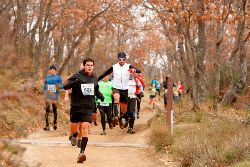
105,109
81,114
152,96
123,95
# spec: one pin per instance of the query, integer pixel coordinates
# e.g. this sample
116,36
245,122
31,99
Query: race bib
104,104
52,88
87,89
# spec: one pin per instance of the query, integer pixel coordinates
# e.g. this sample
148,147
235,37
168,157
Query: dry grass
204,138
159,138
10,155
220,142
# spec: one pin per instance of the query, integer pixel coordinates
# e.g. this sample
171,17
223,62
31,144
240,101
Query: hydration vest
121,76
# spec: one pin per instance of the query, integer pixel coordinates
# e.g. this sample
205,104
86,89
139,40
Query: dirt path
117,148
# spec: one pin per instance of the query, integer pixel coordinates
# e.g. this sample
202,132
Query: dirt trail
117,148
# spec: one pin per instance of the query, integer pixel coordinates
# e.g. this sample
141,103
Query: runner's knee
116,97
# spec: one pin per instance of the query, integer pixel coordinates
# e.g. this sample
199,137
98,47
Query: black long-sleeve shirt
84,90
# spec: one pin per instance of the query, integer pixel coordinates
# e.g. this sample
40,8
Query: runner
153,81
134,83
139,92
158,87
75,141
52,84
121,74
180,88
84,87
105,107
175,93
152,95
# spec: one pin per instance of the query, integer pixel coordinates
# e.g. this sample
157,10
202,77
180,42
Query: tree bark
91,42
236,87
70,54
219,39
200,55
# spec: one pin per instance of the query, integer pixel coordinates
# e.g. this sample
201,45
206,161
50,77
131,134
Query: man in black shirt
84,87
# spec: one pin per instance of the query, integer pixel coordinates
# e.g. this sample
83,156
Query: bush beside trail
204,138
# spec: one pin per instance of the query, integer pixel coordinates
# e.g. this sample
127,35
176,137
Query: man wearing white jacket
121,73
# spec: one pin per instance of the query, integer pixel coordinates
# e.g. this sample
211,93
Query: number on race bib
52,88
87,89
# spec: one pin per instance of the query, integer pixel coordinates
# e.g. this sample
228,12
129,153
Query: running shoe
79,142
130,130
55,126
81,158
104,132
46,128
116,121
121,124
73,141
126,124
110,126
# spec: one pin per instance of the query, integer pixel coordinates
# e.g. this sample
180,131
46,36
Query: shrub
10,155
219,142
160,138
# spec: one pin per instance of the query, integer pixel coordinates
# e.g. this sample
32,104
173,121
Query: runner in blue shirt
52,84
158,86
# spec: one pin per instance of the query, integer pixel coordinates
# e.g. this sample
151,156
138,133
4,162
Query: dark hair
138,71
168,76
122,55
88,60
52,67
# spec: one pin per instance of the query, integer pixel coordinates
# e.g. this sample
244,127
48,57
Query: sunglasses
122,59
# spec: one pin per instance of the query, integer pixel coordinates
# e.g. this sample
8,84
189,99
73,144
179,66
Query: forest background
203,43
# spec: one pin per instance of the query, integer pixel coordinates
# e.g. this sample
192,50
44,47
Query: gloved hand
102,99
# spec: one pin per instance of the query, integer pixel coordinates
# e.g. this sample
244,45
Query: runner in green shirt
105,107
152,95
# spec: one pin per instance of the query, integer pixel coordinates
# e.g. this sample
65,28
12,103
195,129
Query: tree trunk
59,47
200,55
70,54
219,38
19,27
236,87
91,42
